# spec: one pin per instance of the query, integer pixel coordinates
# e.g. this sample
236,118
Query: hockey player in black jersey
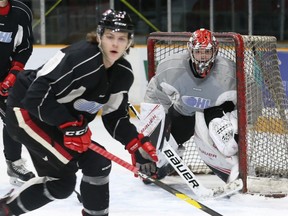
16,44
49,110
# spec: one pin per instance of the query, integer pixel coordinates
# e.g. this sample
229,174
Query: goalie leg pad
223,166
152,124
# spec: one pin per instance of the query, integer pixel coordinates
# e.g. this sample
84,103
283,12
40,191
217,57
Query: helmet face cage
117,21
202,39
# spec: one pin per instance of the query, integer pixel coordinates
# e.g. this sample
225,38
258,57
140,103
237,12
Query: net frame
243,47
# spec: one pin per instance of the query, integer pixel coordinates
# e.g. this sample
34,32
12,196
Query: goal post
261,104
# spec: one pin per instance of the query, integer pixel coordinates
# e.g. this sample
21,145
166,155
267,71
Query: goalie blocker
215,138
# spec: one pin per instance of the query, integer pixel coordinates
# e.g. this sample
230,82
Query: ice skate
18,172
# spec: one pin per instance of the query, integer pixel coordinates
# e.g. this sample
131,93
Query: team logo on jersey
196,102
5,37
91,107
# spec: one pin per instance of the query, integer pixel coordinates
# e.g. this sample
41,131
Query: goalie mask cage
261,104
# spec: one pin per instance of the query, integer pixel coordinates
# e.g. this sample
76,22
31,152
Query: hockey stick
184,172
79,197
160,184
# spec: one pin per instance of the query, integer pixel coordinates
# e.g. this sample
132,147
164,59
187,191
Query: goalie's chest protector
197,94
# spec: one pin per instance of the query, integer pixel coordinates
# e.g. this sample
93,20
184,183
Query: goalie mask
117,21
203,48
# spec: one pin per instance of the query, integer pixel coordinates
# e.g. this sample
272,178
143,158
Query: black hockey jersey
76,82
16,38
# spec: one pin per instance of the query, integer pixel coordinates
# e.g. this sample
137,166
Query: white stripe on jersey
37,137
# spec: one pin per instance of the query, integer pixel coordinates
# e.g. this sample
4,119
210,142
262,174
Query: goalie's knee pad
222,131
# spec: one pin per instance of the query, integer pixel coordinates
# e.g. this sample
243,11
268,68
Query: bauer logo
148,125
180,168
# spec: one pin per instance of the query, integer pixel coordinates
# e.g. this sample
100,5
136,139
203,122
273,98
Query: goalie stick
159,183
182,169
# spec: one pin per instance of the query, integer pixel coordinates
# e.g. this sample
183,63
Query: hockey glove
10,79
143,154
77,135
222,132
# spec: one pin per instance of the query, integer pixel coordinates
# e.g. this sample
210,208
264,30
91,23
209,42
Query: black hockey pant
182,127
56,166
12,149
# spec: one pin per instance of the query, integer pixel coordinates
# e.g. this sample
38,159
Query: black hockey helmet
118,21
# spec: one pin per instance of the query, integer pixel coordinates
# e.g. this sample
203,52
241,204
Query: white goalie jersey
175,85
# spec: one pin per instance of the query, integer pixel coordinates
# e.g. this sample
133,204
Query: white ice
130,197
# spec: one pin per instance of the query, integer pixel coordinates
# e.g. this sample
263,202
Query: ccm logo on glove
77,135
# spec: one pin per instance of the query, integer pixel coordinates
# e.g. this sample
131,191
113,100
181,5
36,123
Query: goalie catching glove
77,135
222,131
143,154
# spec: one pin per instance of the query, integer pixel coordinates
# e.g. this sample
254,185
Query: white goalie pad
152,125
150,117
209,152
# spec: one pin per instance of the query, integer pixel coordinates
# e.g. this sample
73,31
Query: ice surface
130,197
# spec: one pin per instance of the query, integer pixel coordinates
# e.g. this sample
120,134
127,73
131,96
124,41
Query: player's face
113,44
202,54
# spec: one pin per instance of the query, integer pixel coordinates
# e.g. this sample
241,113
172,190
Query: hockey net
261,103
